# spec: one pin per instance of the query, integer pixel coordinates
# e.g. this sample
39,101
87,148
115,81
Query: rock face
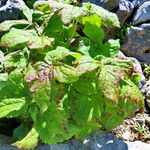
142,14
124,11
138,2
107,4
137,43
9,10
7,147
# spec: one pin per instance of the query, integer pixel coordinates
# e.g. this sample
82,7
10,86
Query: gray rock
72,145
55,147
137,3
124,7
5,142
105,141
9,11
124,11
7,147
143,14
137,43
12,9
107,4
4,139
99,140
146,92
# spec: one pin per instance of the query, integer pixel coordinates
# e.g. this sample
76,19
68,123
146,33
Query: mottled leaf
65,74
28,142
9,105
6,25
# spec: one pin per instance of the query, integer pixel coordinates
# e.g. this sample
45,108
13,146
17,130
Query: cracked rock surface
137,43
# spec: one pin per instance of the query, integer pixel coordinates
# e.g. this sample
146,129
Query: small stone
140,119
126,135
147,120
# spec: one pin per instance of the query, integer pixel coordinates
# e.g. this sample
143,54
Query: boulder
99,140
124,11
107,4
104,141
143,14
12,9
7,147
137,43
9,10
137,3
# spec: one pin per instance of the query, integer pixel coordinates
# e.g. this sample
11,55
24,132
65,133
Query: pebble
147,120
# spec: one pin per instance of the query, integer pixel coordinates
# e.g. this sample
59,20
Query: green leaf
87,64
132,95
20,132
52,125
66,11
85,46
6,25
70,12
113,114
9,105
112,71
92,19
44,8
15,81
41,94
54,25
56,55
17,37
86,85
3,77
136,78
65,74
41,42
108,18
110,48
26,11
29,142
93,32
70,31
